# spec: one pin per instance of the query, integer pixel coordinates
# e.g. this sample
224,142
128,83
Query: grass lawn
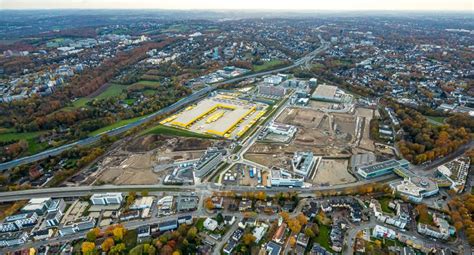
165,130
384,201
200,224
31,137
130,238
437,119
115,125
323,237
267,65
112,91
428,220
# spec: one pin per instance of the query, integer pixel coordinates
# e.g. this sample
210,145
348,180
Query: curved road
176,106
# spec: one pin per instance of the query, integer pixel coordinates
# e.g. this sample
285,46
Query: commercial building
12,239
303,163
328,93
8,227
84,224
168,225
456,172
23,220
208,162
106,199
415,188
271,91
282,129
381,168
53,218
283,178
185,204
38,205
222,115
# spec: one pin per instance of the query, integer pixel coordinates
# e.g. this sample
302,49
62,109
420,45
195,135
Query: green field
112,91
115,125
267,65
436,119
31,137
165,130
323,237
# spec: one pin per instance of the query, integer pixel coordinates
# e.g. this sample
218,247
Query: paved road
176,106
207,187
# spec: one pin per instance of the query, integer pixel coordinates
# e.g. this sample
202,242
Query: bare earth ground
332,172
135,163
136,169
366,143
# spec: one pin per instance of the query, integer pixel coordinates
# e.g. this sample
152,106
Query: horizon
244,5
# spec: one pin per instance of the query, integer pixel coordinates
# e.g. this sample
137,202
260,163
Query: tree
294,225
149,249
292,241
309,233
192,233
92,235
87,248
248,239
107,244
118,232
302,219
144,193
117,249
209,204
285,216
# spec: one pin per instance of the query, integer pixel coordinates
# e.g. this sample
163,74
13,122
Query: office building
271,91
208,162
23,220
303,163
283,178
381,168
107,199
12,239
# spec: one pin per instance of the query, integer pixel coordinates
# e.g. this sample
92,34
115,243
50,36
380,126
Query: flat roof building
106,198
208,162
416,188
327,93
381,168
303,163
281,178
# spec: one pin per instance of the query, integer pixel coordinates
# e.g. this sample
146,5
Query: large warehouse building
221,115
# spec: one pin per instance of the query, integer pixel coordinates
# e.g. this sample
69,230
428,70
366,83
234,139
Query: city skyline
345,5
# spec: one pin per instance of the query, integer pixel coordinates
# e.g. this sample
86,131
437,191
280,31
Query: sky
351,5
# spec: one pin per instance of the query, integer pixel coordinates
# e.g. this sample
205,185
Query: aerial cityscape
214,128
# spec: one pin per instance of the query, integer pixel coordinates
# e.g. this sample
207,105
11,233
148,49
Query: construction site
222,115
150,158
326,129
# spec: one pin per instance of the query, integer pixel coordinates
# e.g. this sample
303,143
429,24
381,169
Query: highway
79,191
171,108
